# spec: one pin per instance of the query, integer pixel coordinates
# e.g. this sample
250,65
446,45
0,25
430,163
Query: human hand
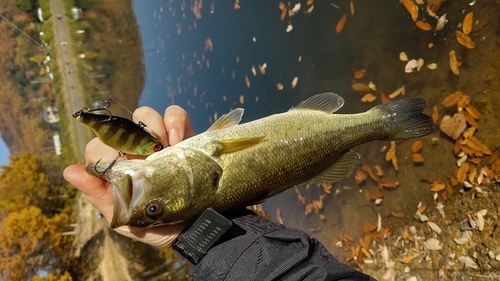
169,130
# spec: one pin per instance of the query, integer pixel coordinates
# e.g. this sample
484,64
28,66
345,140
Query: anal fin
339,170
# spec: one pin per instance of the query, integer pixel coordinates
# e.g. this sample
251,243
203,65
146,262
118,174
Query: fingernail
173,136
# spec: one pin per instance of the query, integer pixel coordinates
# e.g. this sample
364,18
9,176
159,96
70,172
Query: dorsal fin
230,119
327,102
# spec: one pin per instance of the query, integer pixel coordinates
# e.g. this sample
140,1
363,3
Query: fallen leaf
247,81
468,262
464,39
423,25
367,169
403,56
391,152
433,244
237,4
409,258
398,214
422,208
294,82
473,112
242,99
411,65
289,27
387,183
432,66
461,173
416,146
417,158
454,63
340,24
435,114
361,87
301,198
470,119
452,99
420,63
360,73
441,22
368,98
397,92
310,2
453,126
283,14
467,24
412,9
437,186
279,86
359,177
384,98
370,227
282,6
374,195
380,172
351,6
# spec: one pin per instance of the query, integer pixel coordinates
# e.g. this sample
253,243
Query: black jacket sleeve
257,249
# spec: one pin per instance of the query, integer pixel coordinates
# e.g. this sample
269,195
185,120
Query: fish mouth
128,192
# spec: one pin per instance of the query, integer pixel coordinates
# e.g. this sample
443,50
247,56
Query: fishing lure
119,133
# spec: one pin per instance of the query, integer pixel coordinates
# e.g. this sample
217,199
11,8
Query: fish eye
154,210
158,147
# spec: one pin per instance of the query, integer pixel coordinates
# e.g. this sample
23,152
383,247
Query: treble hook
104,107
120,154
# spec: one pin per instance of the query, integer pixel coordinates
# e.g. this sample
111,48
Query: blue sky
4,153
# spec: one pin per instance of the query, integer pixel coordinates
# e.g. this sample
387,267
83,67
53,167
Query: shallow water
372,39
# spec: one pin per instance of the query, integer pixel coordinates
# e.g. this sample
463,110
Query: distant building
76,13
51,116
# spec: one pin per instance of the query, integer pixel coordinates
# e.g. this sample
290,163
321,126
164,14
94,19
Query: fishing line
63,63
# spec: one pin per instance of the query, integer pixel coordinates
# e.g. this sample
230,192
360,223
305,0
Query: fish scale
231,166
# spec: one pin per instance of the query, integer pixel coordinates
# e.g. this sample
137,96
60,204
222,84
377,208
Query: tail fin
405,120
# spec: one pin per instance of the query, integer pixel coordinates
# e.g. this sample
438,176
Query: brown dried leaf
454,63
367,169
435,114
368,98
437,186
463,101
416,146
369,227
462,172
359,73
351,6
408,259
340,24
473,111
464,40
391,153
283,14
394,161
374,195
360,177
452,99
453,126
412,9
417,158
423,25
476,144
397,92
470,119
384,98
467,24
247,81
380,172
387,183
398,214
422,208
361,87
365,241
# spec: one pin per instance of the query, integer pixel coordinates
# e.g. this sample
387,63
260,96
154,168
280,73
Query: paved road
70,79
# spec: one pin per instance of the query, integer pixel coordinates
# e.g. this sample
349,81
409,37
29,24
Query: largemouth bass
231,165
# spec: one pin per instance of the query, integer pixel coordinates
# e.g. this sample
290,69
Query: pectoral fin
230,119
339,170
233,145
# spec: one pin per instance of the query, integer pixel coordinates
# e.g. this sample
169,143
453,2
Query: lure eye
154,210
158,147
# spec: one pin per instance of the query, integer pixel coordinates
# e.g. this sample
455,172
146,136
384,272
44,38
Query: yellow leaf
454,63
351,5
423,25
464,40
361,87
467,24
340,24
417,145
412,9
368,98
417,158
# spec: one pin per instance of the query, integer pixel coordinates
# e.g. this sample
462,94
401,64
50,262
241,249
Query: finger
153,121
96,150
97,190
177,124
